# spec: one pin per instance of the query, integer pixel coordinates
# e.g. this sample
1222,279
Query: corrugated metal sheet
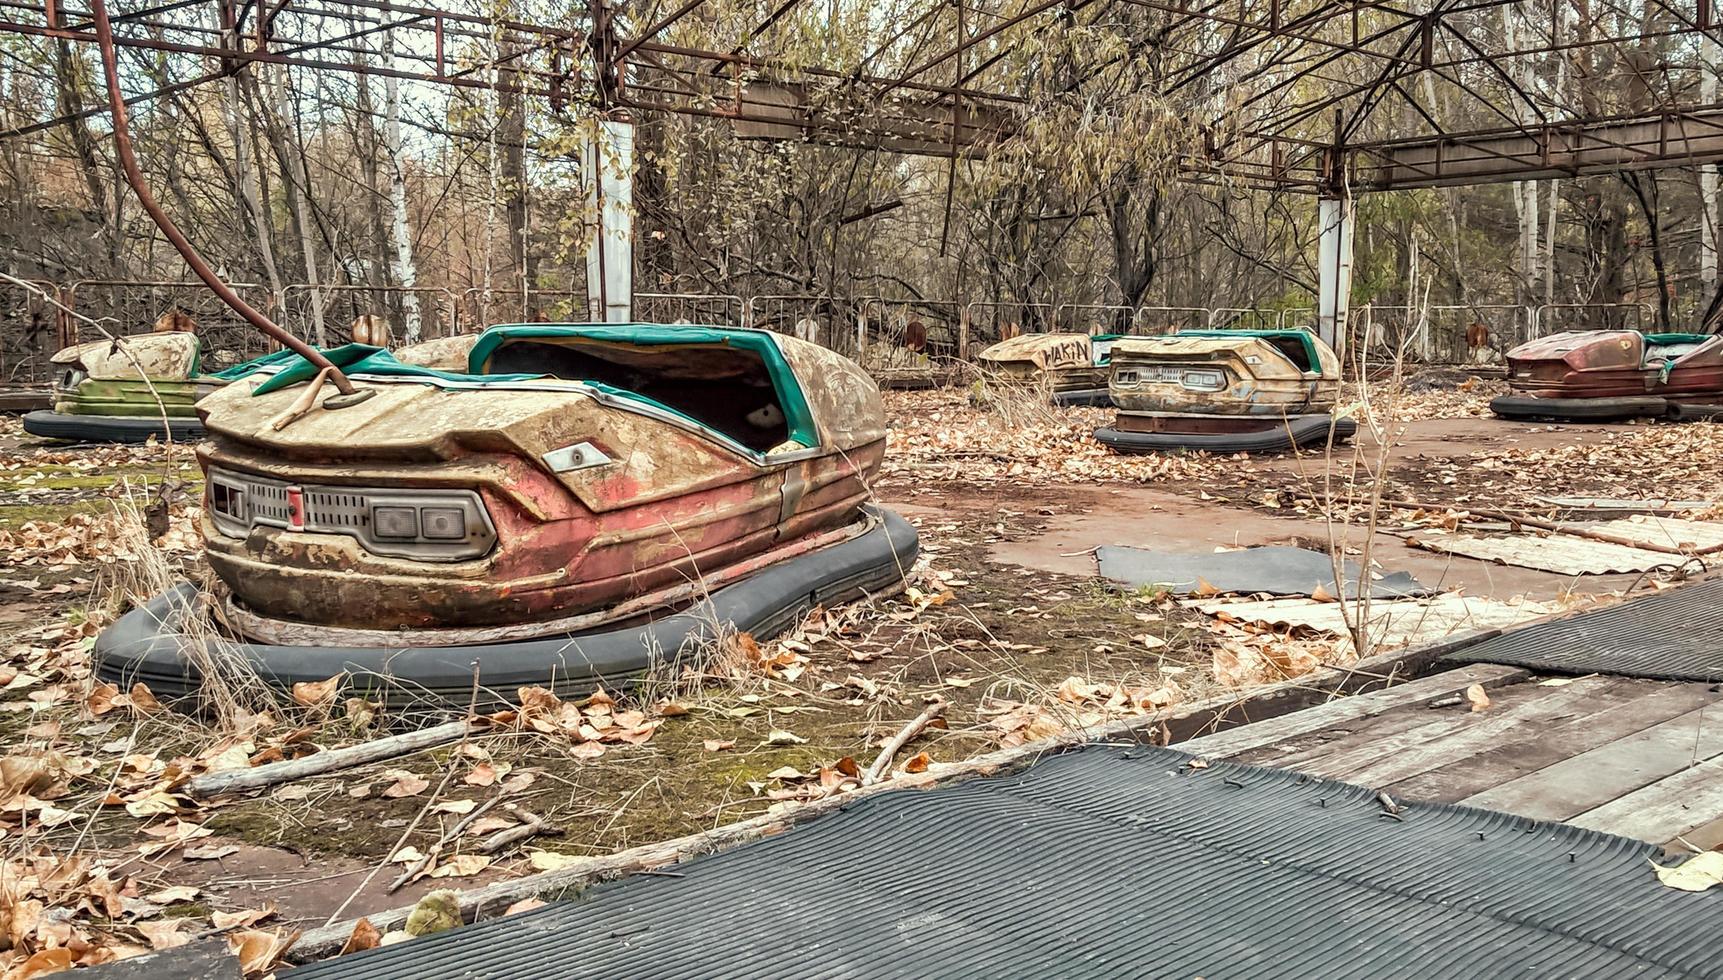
1562,553
1392,623
1673,635
1113,862
1667,532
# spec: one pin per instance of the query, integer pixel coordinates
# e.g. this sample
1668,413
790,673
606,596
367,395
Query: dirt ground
1005,621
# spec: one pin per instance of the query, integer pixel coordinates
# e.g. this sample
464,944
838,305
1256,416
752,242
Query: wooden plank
1305,752
1669,808
1421,691
1590,779
1464,734
1661,701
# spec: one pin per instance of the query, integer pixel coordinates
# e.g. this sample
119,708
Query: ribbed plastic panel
1675,635
1113,862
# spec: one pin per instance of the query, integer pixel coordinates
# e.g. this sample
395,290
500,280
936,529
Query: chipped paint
1615,364
674,504
1253,376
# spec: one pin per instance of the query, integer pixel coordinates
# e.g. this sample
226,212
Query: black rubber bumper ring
109,428
1304,431
144,644
1578,409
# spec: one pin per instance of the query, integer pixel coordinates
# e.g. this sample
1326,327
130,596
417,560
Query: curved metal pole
135,177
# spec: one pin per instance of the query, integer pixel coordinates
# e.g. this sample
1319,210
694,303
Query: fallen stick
260,777
882,764
1196,718
533,826
436,850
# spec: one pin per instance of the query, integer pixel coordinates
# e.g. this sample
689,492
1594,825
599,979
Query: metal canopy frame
1303,95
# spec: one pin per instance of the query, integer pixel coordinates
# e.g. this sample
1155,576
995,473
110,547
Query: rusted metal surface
1062,361
1195,424
673,502
156,356
1219,376
247,623
442,354
1616,363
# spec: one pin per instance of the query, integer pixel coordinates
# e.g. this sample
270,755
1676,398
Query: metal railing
444,320
33,329
1540,325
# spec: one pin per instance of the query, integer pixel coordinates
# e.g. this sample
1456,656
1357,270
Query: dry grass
231,692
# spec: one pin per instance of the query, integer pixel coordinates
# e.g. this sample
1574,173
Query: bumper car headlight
429,525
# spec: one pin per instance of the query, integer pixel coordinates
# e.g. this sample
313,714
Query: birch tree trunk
400,228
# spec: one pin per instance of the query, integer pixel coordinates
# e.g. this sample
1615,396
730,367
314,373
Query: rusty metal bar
140,187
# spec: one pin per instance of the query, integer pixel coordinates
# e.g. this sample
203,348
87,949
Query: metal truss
1304,95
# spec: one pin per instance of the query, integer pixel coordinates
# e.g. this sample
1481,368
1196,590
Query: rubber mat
1112,862
1675,635
1277,570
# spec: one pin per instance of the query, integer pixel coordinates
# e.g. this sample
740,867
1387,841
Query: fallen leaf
1476,697
518,782
525,905
919,763
173,894
489,825
406,784
143,700
258,950
1696,874
462,865
101,699
779,736
1320,594
365,936
164,933
483,774
241,919
211,852
42,963
462,807
718,744
406,855
316,694
550,860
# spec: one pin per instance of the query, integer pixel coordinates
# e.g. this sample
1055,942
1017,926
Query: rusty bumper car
126,390
581,503
1224,391
1072,367
1611,375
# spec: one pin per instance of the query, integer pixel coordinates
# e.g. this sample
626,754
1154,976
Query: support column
610,197
1334,270
1708,178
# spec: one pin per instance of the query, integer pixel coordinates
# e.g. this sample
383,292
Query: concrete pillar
610,198
1334,269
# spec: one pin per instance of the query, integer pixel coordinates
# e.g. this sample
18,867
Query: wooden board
1306,751
1468,733
1429,739
1346,709
1591,779
1658,702
1672,807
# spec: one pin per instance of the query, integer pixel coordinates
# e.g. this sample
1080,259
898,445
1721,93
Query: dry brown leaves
787,785
59,911
590,724
938,434
91,537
